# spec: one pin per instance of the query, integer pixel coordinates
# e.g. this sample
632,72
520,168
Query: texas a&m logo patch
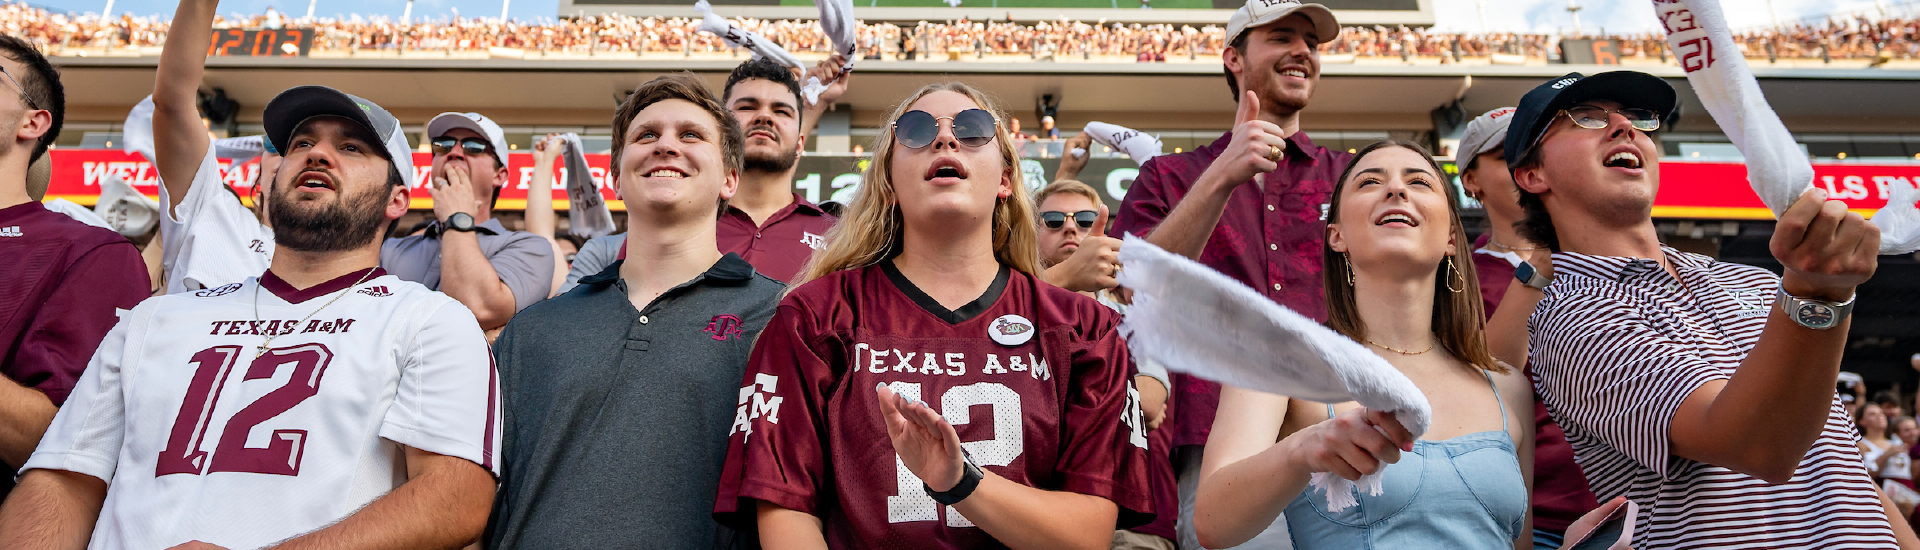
723,327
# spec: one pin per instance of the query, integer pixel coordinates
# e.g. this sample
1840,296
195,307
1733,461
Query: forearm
540,216
1507,328
179,138
1766,417
467,276
1239,500
444,508
1153,395
24,416
1902,531
1025,517
1190,225
784,529
51,509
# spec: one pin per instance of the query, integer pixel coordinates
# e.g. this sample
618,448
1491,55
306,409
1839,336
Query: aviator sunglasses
471,146
1083,218
917,129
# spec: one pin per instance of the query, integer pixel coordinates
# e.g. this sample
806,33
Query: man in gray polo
465,252
620,393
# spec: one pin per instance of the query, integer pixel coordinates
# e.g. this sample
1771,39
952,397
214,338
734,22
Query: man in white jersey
324,404
1701,390
207,238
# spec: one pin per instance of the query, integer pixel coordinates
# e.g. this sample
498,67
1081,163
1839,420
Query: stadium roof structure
1412,13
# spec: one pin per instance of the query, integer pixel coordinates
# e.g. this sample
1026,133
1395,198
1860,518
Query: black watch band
461,221
970,477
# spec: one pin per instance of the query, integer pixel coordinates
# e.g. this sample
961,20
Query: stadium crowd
63,33
740,367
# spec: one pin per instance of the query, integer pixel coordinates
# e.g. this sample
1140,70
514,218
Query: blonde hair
1071,187
871,228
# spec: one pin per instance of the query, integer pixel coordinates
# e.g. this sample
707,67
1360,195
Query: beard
346,223
772,162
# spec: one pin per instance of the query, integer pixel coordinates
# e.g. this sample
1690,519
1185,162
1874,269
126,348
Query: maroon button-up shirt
1268,238
779,249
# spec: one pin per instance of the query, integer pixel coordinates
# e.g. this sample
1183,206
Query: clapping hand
925,441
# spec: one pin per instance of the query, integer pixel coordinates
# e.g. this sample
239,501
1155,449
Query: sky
1457,15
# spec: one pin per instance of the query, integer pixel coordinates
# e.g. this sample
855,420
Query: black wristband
970,477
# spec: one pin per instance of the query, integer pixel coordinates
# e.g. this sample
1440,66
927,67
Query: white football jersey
200,439
211,239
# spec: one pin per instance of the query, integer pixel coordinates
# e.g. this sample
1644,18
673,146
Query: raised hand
1256,147
1094,266
548,149
1071,165
1826,250
926,443
1351,444
453,192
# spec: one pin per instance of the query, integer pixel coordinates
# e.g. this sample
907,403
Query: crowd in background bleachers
69,34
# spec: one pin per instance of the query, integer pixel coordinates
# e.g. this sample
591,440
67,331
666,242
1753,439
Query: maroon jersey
1034,378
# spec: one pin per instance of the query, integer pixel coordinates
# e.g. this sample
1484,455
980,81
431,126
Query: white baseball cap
1260,12
480,124
1485,133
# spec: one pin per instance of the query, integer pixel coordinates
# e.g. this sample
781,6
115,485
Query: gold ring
1273,153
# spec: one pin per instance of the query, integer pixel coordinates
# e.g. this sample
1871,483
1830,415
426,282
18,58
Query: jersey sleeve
59,340
85,435
526,266
207,240
1583,382
776,449
1103,438
448,401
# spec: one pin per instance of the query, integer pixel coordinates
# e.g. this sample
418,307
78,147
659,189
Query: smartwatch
461,221
970,476
1814,314
1530,276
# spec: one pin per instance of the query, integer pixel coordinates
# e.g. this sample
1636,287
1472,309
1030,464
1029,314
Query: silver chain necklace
262,350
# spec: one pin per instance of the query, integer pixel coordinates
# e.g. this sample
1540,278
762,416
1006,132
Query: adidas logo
11,231
221,291
376,291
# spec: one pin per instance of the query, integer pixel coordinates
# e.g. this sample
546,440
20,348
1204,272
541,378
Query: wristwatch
970,476
461,221
1814,314
1530,276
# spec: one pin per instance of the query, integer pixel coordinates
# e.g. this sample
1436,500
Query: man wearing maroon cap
1251,204
63,279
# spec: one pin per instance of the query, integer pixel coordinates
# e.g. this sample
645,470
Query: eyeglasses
24,98
1595,118
972,128
1083,218
471,146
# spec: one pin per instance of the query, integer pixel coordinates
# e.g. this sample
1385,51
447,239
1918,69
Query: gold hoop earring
1349,261
1457,275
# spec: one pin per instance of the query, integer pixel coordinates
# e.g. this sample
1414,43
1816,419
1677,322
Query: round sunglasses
1083,218
972,127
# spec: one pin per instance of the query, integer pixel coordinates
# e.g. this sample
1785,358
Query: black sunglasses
1083,218
472,146
972,128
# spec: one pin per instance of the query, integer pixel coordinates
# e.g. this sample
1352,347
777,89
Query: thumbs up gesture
1094,265
1256,148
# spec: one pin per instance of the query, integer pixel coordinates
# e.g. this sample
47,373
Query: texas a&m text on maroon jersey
1035,380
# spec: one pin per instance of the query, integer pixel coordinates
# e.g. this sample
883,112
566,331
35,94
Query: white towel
1779,171
239,150
742,38
1137,145
836,21
587,213
1195,320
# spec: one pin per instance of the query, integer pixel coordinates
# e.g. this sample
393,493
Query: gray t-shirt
524,261
594,256
616,420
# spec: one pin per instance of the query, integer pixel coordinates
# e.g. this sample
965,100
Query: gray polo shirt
616,420
594,256
522,260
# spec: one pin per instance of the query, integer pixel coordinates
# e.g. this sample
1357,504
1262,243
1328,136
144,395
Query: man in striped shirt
1701,390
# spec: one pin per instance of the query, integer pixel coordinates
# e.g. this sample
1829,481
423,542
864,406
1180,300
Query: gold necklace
1496,245
1398,350
262,350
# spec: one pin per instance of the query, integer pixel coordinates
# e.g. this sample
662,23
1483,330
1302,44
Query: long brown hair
1458,319
871,228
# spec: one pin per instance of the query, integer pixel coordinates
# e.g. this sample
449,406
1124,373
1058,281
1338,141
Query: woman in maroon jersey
1397,279
920,345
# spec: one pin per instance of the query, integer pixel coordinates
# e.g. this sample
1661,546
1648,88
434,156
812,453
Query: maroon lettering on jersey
1035,380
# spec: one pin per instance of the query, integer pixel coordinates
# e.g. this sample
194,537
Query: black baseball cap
294,107
1631,88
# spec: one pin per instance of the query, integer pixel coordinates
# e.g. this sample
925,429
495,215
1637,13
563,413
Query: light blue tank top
1462,493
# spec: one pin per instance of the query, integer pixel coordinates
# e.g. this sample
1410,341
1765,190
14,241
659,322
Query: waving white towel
1196,320
742,38
587,214
836,21
1137,145
1776,167
136,135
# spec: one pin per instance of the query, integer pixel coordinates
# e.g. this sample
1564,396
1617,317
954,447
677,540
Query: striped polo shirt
1618,343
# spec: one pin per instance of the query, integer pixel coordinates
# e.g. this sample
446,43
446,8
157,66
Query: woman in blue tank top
1398,280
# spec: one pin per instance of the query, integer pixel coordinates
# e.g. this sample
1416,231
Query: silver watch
1814,314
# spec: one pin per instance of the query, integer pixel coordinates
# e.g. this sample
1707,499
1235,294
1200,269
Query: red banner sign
1698,190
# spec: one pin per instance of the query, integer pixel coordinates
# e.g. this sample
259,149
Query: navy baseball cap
1539,107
